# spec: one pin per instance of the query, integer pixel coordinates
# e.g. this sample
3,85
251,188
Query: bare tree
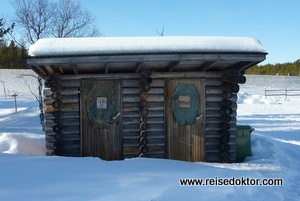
71,20
5,91
3,30
46,18
34,17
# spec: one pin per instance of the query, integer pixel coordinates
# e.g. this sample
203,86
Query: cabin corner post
53,114
61,110
231,79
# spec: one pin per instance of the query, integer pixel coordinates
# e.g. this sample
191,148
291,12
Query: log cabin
157,97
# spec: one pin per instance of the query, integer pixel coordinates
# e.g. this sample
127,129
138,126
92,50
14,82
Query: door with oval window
100,107
184,119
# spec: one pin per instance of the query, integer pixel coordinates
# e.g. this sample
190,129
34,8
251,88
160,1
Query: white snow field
27,174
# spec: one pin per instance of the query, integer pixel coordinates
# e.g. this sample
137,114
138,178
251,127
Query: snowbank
106,45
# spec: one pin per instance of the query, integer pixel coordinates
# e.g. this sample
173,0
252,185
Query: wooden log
213,82
134,58
68,107
218,98
69,122
137,108
234,79
213,90
217,127
65,130
216,114
150,98
138,90
101,76
156,155
150,120
64,99
213,106
152,105
230,87
72,152
64,115
136,83
147,79
195,74
216,149
151,114
152,136
63,91
130,130
217,134
56,104
143,95
63,144
70,83
217,119
51,138
150,127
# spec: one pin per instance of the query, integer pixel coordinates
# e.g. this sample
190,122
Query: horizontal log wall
131,119
131,116
213,123
67,141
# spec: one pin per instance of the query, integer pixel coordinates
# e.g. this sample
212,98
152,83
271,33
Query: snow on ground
26,174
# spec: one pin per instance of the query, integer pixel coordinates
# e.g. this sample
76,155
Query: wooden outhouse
159,97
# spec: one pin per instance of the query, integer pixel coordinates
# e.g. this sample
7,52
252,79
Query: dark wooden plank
145,58
173,65
138,66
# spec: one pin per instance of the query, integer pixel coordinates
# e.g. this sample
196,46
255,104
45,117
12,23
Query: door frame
168,112
119,118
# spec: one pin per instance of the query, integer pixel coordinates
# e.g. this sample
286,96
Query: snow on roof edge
115,45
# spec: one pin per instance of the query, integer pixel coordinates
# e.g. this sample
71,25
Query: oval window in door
102,105
185,103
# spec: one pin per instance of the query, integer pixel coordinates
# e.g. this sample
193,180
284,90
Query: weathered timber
137,90
217,98
63,91
68,107
150,98
143,58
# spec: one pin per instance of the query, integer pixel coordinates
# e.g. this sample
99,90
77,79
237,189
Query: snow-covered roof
119,45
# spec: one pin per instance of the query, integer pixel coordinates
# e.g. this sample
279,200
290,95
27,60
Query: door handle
116,116
200,116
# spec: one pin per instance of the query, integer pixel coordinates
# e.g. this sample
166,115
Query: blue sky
276,23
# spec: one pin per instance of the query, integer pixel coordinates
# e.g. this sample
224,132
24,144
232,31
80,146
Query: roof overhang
134,54
128,63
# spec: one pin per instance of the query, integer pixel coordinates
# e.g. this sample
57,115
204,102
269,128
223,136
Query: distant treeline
12,56
276,69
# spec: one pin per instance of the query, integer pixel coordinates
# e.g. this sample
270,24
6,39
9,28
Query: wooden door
100,102
185,103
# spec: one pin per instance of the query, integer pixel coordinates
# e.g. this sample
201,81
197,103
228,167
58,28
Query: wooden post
286,91
15,101
265,92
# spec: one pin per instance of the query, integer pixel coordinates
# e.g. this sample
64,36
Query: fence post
15,101
265,92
